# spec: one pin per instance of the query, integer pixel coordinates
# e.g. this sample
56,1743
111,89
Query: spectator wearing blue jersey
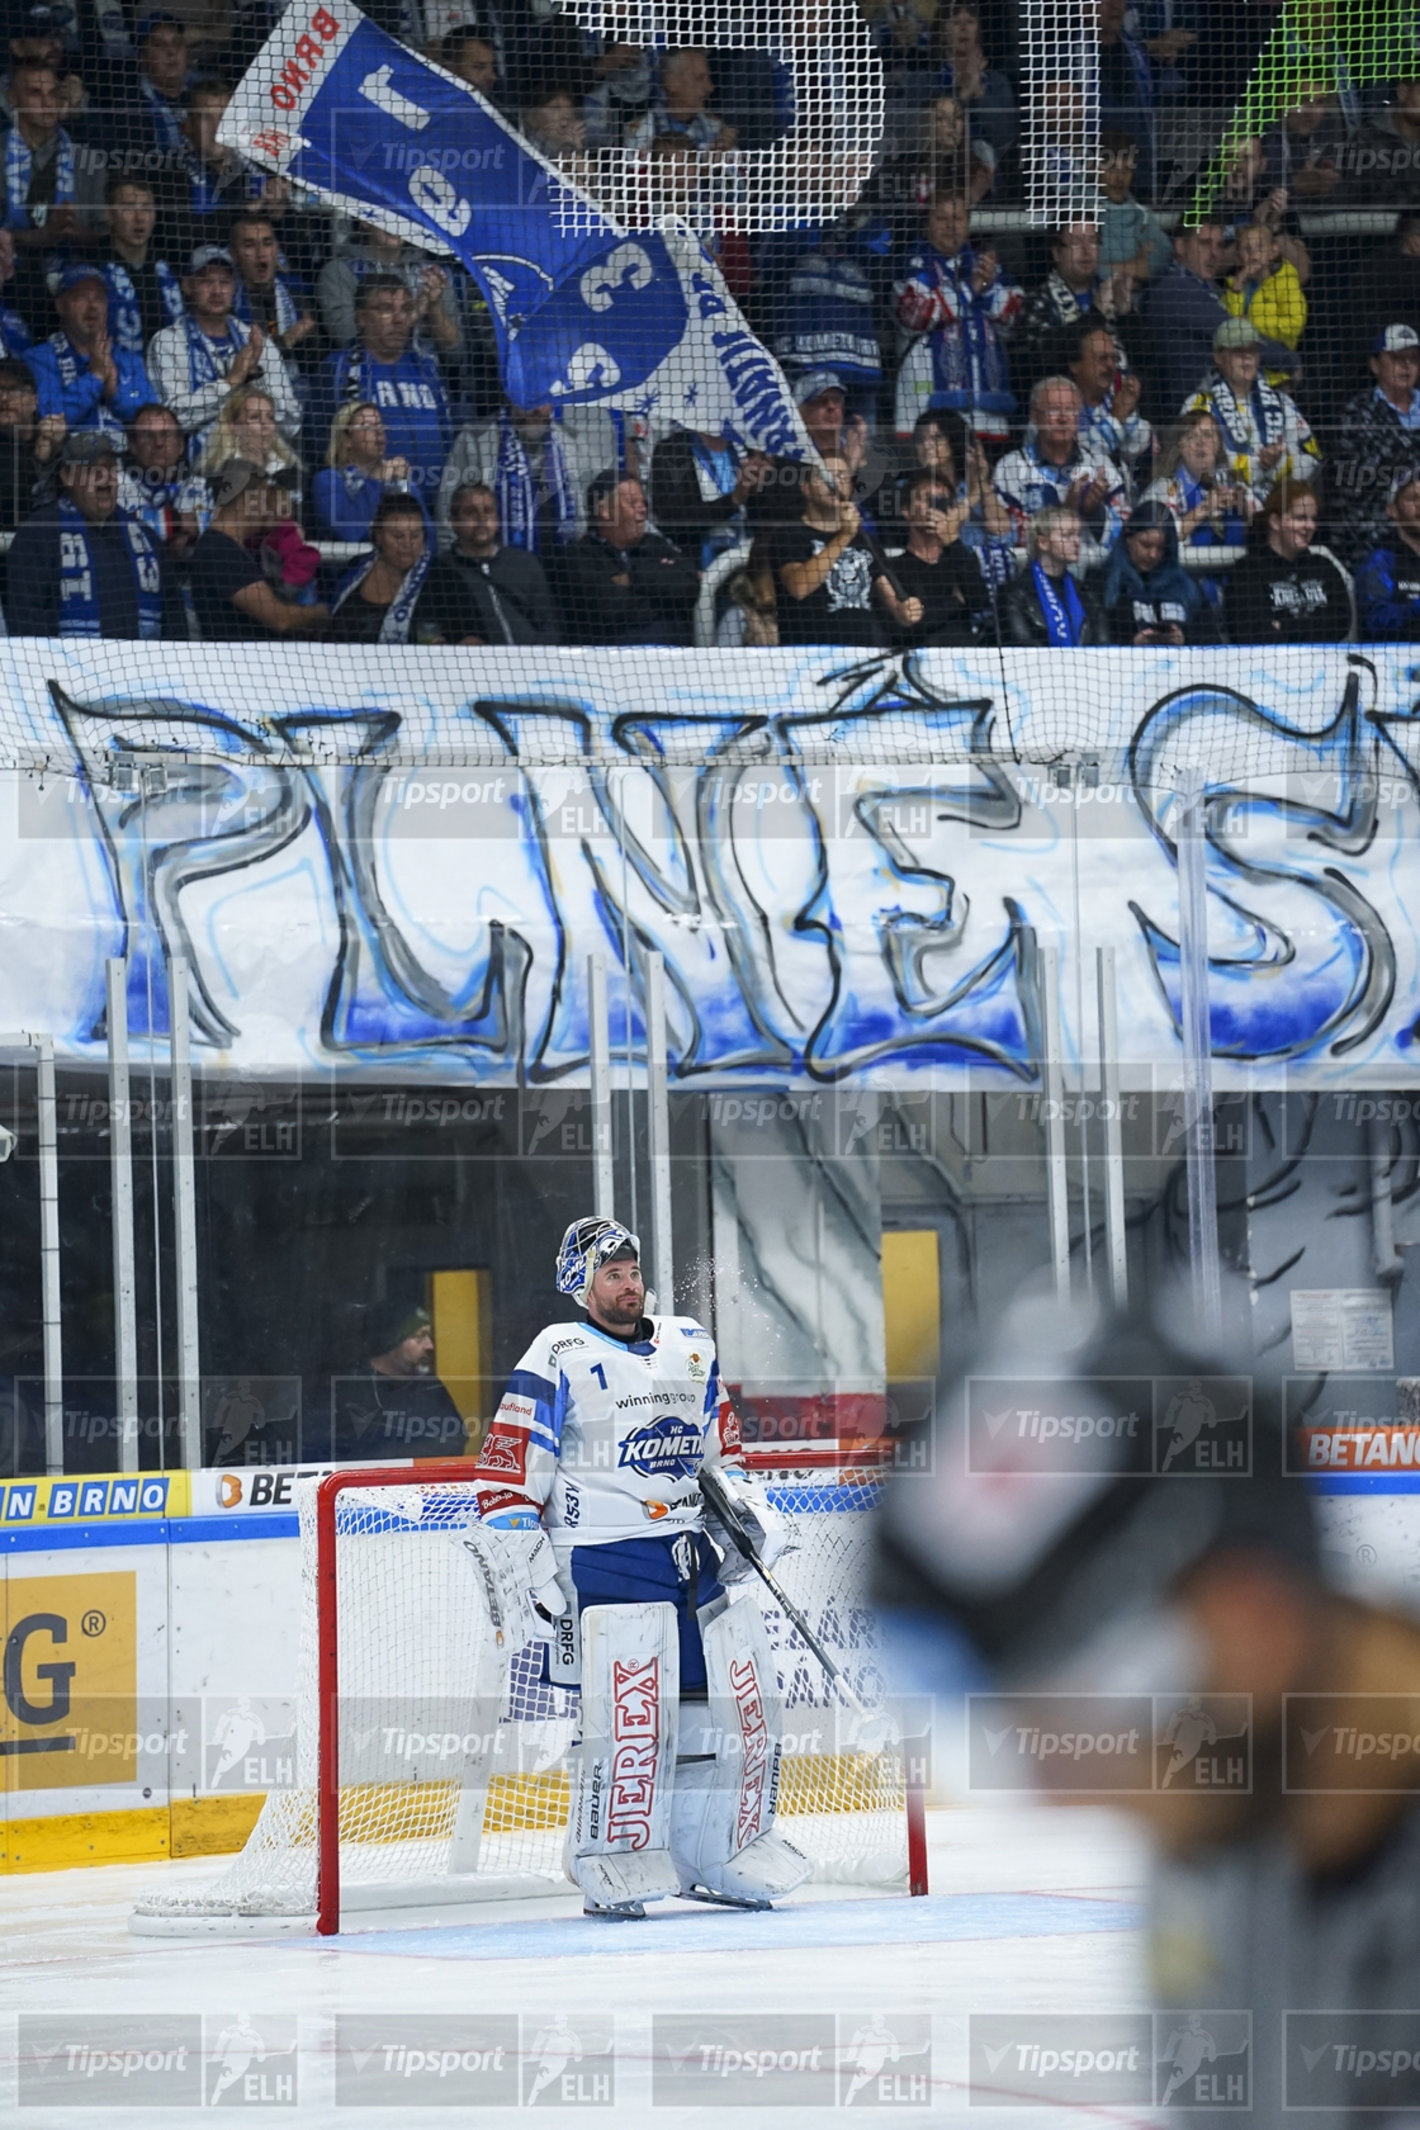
385,368
1388,581
829,323
78,372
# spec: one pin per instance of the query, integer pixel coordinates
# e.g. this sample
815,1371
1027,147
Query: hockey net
453,1759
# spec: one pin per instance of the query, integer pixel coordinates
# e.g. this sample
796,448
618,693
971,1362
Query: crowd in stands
227,412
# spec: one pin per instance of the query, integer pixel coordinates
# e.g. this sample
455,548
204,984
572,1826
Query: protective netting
453,1755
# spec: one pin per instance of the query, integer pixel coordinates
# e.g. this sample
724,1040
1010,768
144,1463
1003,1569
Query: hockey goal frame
431,1471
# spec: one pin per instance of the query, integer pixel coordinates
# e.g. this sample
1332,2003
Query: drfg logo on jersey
70,1714
669,1448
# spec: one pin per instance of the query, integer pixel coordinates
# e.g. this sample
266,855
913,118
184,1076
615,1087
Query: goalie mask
585,1248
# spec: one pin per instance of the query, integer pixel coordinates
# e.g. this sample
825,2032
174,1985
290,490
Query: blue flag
585,312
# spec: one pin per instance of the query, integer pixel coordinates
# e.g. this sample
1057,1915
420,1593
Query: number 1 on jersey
600,1373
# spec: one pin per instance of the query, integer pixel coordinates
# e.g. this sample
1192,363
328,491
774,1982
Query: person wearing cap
1388,580
1147,595
388,366
78,371
83,567
1380,437
231,596
144,292
209,353
777,497
1286,589
395,1406
1266,437
961,309
1283,1865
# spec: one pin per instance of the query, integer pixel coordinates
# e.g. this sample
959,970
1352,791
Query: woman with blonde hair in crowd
356,473
1196,485
246,429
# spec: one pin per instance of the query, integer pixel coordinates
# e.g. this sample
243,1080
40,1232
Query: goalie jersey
603,1439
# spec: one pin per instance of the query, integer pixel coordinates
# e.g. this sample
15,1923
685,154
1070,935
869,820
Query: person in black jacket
936,570
1147,594
481,592
1284,590
620,583
1045,605
699,488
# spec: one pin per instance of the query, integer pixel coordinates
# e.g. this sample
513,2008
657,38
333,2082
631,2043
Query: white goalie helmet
585,1248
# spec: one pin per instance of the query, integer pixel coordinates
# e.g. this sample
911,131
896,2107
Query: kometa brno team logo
668,1448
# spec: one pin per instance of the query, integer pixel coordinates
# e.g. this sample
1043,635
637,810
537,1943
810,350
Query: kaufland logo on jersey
668,1449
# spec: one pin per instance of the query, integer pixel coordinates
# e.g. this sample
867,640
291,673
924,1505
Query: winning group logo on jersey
668,1448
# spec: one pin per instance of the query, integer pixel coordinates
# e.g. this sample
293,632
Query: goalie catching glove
770,1534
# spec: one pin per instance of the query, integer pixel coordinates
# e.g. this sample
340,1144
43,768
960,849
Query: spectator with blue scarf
144,293
164,72
686,87
1208,507
962,309
1044,606
264,295
78,372
198,363
49,199
385,367
374,601
1147,594
81,567
1388,581
157,487
1054,465
539,465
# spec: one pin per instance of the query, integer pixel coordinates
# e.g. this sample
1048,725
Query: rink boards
150,1705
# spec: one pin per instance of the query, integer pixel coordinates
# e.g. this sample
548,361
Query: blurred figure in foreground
1111,1542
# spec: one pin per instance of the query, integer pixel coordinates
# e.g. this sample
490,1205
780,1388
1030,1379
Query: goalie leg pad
727,1780
618,1833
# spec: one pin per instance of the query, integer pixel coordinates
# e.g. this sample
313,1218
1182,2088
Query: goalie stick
723,1505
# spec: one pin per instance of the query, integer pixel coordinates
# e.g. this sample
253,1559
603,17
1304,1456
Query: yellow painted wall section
461,1305
912,1307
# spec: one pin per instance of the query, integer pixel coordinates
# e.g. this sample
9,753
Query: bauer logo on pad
668,1448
